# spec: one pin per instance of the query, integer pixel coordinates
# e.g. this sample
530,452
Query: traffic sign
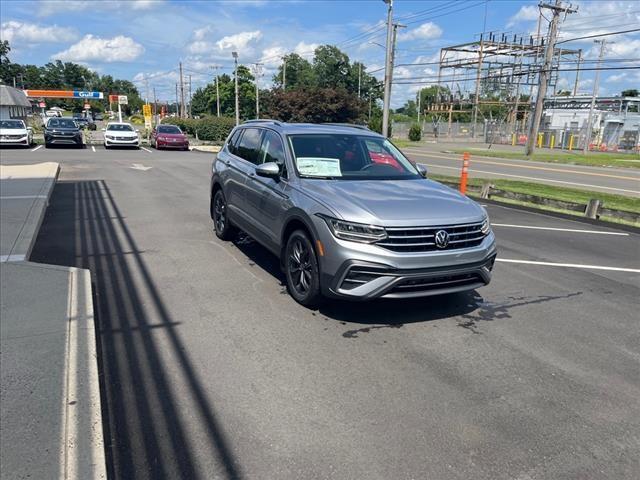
42,104
122,100
113,98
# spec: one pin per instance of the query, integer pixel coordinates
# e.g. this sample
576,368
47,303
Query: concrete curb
24,242
206,148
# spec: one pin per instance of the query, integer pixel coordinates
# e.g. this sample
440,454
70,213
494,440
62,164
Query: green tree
300,73
633,92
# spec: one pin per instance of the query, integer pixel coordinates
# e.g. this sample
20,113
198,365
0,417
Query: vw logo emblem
442,239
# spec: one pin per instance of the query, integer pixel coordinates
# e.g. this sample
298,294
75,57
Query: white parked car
15,132
121,134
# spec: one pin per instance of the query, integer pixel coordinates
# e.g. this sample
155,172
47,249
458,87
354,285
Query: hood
391,203
13,131
172,135
121,133
62,129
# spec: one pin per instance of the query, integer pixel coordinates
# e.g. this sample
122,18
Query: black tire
301,270
47,145
223,228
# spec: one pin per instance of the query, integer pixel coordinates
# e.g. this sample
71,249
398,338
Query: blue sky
138,39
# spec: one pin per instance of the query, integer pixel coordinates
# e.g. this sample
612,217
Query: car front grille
436,283
125,139
12,137
359,275
422,239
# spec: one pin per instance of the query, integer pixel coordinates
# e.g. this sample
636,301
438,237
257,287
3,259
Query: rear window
249,147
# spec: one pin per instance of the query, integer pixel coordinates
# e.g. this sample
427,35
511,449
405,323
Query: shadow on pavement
144,426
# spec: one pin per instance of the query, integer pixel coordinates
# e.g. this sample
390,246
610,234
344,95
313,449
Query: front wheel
224,229
301,269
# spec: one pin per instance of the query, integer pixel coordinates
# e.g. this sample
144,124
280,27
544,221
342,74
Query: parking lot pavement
209,369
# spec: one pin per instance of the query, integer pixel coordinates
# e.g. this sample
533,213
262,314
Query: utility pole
476,97
190,98
575,85
177,100
596,83
235,70
388,71
419,95
359,78
215,67
155,106
284,73
543,76
257,70
182,106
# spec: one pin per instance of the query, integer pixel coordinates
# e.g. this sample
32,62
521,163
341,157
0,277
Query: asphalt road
622,181
210,370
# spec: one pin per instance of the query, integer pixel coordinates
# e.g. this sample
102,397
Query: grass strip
608,200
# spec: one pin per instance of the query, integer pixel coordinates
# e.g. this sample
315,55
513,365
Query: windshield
118,127
11,124
61,123
169,129
349,157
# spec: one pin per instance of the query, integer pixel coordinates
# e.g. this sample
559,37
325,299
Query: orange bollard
464,173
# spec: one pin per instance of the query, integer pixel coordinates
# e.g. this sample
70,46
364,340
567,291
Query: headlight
486,227
355,232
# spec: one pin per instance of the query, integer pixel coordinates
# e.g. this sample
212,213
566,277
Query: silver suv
347,213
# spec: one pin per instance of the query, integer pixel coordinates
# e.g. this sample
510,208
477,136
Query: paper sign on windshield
319,166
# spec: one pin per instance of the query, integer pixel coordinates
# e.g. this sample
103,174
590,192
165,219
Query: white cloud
53,7
527,13
426,31
201,33
200,46
239,40
116,49
19,32
305,49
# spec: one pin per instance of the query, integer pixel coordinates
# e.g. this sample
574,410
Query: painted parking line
93,148
146,149
555,229
12,258
536,179
568,265
21,197
37,148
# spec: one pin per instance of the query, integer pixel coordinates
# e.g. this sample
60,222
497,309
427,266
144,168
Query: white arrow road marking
139,166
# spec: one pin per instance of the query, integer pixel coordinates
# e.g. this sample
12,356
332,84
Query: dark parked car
62,131
84,122
169,136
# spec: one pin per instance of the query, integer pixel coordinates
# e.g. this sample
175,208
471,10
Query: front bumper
14,140
134,142
357,271
170,144
63,139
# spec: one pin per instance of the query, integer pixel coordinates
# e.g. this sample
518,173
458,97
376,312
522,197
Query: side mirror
269,170
422,170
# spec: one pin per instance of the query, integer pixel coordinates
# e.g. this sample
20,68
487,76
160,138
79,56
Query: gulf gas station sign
64,94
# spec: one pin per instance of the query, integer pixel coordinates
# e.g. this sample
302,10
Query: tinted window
249,147
120,127
61,123
232,144
168,129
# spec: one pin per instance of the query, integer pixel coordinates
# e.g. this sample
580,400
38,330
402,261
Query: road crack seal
354,333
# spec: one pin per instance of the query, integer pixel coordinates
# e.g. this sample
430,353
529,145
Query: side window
232,144
249,146
273,150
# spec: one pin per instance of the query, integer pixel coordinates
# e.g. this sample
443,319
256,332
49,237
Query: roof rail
263,120
353,125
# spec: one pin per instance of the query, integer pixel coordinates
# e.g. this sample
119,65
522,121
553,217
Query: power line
600,35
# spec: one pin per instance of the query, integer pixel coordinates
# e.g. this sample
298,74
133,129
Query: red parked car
169,136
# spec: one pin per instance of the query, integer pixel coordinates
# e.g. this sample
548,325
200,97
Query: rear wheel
224,229
301,269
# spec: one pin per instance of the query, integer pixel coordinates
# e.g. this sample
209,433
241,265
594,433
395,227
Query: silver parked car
347,213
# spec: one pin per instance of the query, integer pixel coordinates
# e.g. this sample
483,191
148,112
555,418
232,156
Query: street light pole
284,73
235,60
257,70
596,83
387,70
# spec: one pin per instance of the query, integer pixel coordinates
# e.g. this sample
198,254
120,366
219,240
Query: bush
415,133
212,129
136,119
